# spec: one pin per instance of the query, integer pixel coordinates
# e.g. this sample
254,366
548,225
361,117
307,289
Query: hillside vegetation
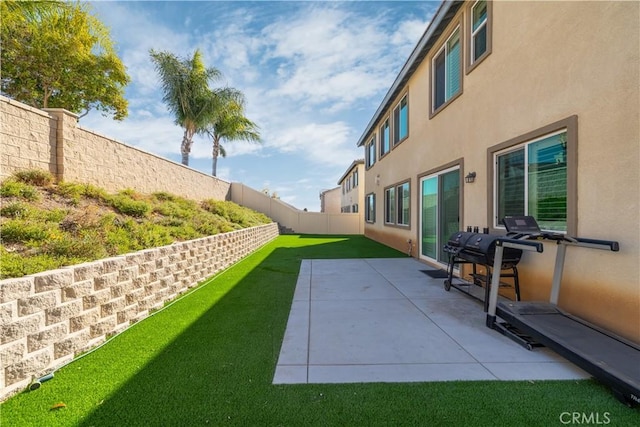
44,225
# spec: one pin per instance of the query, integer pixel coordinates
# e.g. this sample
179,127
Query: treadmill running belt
577,341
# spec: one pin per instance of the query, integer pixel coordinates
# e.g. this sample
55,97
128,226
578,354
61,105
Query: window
446,71
403,203
385,136
536,175
370,207
390,205
355,178
396,204
479,30
401,121
370,152
354,208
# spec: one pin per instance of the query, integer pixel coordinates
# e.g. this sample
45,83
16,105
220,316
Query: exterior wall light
471,177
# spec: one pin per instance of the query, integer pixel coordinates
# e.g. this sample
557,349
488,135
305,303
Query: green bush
12,188
85,247
14,210
17,265
127,206
36,177
19,230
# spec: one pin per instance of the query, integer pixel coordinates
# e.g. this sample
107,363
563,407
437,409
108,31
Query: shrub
12,188
17,265
85,247
163,196
127,206
14,210
36,177
20,231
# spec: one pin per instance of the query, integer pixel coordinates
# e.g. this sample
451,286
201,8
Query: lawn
209,359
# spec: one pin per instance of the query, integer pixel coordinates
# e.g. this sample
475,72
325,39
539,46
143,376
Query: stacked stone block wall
46,319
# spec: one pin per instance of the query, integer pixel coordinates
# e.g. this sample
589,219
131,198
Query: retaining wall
48,318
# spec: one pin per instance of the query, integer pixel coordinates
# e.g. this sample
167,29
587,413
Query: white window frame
484,24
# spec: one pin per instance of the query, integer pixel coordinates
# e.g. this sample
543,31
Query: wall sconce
378,179
471,176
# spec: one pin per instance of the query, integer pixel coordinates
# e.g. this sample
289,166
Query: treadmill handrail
527,245
612,245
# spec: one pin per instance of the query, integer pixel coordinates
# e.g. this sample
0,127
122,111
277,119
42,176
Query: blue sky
313,73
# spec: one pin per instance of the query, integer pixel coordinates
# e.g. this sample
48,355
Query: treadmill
611,359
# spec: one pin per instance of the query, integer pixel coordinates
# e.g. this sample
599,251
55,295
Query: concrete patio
385,320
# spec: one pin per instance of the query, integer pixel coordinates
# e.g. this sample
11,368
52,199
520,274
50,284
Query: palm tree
185,83
229,124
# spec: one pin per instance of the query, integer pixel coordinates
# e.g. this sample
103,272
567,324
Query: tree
185,83
56,54
229,124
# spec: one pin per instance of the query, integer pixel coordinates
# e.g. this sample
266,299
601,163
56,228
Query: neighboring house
330,200
352,197
538,102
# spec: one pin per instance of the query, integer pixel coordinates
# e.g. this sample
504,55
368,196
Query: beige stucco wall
549,61
52,140
295,219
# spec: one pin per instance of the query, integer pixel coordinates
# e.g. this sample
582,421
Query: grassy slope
209,359
46,226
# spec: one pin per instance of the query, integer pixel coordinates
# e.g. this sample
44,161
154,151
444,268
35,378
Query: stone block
106,280
104,327
135,295
121,289
71,344
109,265
87,271
78,290
20,328
97,298
127,314
85,320
112,307
38,302
26,368
53,279
13,289
128,273
46,337
8,312
62,312
12,353
141,280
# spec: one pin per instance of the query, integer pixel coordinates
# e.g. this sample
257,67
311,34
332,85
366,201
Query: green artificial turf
209,359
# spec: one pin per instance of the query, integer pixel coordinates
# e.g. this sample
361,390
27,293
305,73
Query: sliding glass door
440,212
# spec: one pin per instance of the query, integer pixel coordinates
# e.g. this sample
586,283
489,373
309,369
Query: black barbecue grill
479,249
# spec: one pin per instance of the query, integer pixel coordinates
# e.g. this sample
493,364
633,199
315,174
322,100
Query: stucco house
330,200
352,194
527,108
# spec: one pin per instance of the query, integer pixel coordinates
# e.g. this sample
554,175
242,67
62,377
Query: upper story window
401,121
385,137
537,177
355,178
479,30
370,152
446,71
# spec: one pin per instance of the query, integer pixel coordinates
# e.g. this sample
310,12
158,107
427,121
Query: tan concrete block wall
48,318
51,140
27,138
